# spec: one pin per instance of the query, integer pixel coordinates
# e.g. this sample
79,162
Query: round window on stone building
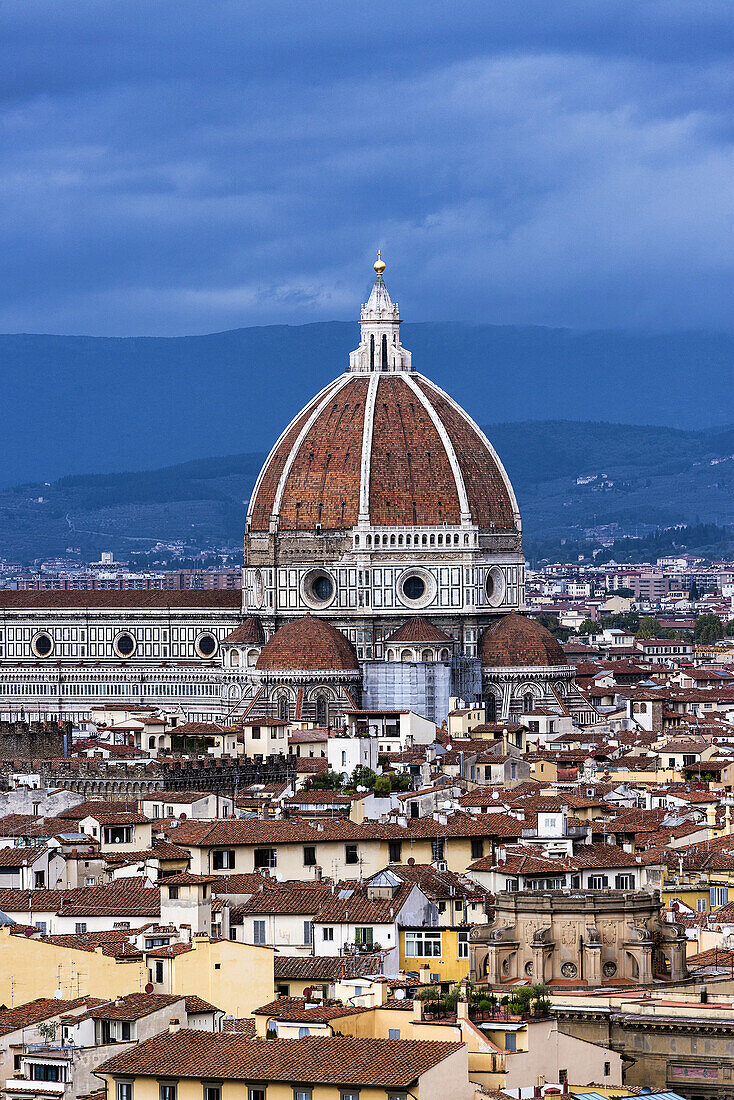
42,645
318,588
416,588
124,644
206,645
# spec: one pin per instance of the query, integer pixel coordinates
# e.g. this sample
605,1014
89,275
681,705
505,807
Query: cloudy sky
186,166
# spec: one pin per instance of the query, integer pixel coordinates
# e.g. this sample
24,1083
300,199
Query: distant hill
569,477
71,405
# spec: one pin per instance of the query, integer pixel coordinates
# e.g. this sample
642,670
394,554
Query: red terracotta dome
249,632
398,452
515,641
384,446
308,645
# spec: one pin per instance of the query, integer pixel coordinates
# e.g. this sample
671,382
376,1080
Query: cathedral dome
382,446
308,645
515,641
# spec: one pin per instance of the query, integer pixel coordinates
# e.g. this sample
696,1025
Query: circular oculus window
318,588
124,644
416,588
494,586
206,645
43,644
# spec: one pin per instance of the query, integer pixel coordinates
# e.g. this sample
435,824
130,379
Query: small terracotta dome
419,629
249,632
310,645
515,641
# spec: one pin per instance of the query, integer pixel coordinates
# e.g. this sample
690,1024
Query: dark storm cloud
183,167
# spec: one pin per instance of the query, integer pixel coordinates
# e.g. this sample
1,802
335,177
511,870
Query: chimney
462,1010
425,974
381,993
417,1011
174,1026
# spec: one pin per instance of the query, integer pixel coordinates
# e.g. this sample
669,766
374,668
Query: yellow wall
236,977
31,968
449,966
146,1088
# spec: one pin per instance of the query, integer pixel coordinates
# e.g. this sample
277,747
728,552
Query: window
462,942
437,849
624,882
393,1033
351,853
510,1041
607,1069
166,1090
41,925
258,931
158,971
302,1094
701,905
309,855
212,1092
265,857
718,895
477,847
125,1030
598,882
308,932
39,879
173,892
256,1094
395,848
80,928
328,935
422,945
223,859
40,1072
363,937
349,1094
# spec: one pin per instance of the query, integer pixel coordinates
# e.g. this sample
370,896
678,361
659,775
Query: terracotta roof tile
516,641
310,644
380,1063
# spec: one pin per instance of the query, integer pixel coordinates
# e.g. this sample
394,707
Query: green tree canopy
709,628
649,627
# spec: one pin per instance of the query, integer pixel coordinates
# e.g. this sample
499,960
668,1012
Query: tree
649,627
363,777
627,620
693,595
382,786
709,628
590,627
326,781
729,629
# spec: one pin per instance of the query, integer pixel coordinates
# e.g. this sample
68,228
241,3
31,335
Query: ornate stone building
591,937
382,512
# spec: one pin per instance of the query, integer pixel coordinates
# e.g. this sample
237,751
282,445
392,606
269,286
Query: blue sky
185,167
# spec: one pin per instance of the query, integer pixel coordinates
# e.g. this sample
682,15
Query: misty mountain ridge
78,404
574,481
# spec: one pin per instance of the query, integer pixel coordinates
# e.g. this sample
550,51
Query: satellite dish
58,994
447,804
495,794
29,932
149,987
182,816
411,862
399,994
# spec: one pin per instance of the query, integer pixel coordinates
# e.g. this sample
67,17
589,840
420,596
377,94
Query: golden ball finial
379,263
